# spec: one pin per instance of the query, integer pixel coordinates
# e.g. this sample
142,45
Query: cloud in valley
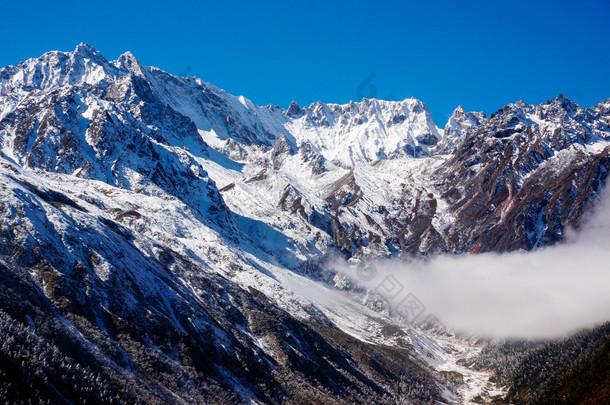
549,292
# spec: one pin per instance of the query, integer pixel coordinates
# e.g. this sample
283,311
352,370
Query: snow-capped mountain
167,227
460,122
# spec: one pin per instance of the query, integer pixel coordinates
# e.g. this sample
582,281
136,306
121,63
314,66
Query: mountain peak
127,55
129,62
563,100
294,109
85,47
458,125
459,110
561,97
564,103
86,50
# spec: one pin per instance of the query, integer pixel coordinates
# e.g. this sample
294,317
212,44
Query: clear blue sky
482,54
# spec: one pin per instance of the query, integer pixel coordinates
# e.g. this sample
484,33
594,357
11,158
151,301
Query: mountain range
163,241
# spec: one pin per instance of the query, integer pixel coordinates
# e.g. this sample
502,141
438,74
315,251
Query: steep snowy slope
105,281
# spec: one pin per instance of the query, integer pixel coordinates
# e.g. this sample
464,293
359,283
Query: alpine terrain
163,241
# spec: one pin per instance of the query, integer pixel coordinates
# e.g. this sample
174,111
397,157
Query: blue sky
481,54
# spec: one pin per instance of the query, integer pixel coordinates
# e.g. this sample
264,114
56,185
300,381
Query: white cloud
548,292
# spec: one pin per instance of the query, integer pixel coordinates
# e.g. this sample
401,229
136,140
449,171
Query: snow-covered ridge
363,131
357,174
366,131
140,128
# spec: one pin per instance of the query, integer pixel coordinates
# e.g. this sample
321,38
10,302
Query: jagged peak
84,48
59,68
129,62
294,109
561,97
458,125
565,102
81,51
521,105
127,56
461,113
411,102
460,109
560,100
84,51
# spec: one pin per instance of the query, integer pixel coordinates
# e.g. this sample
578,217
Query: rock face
161,231
531,171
